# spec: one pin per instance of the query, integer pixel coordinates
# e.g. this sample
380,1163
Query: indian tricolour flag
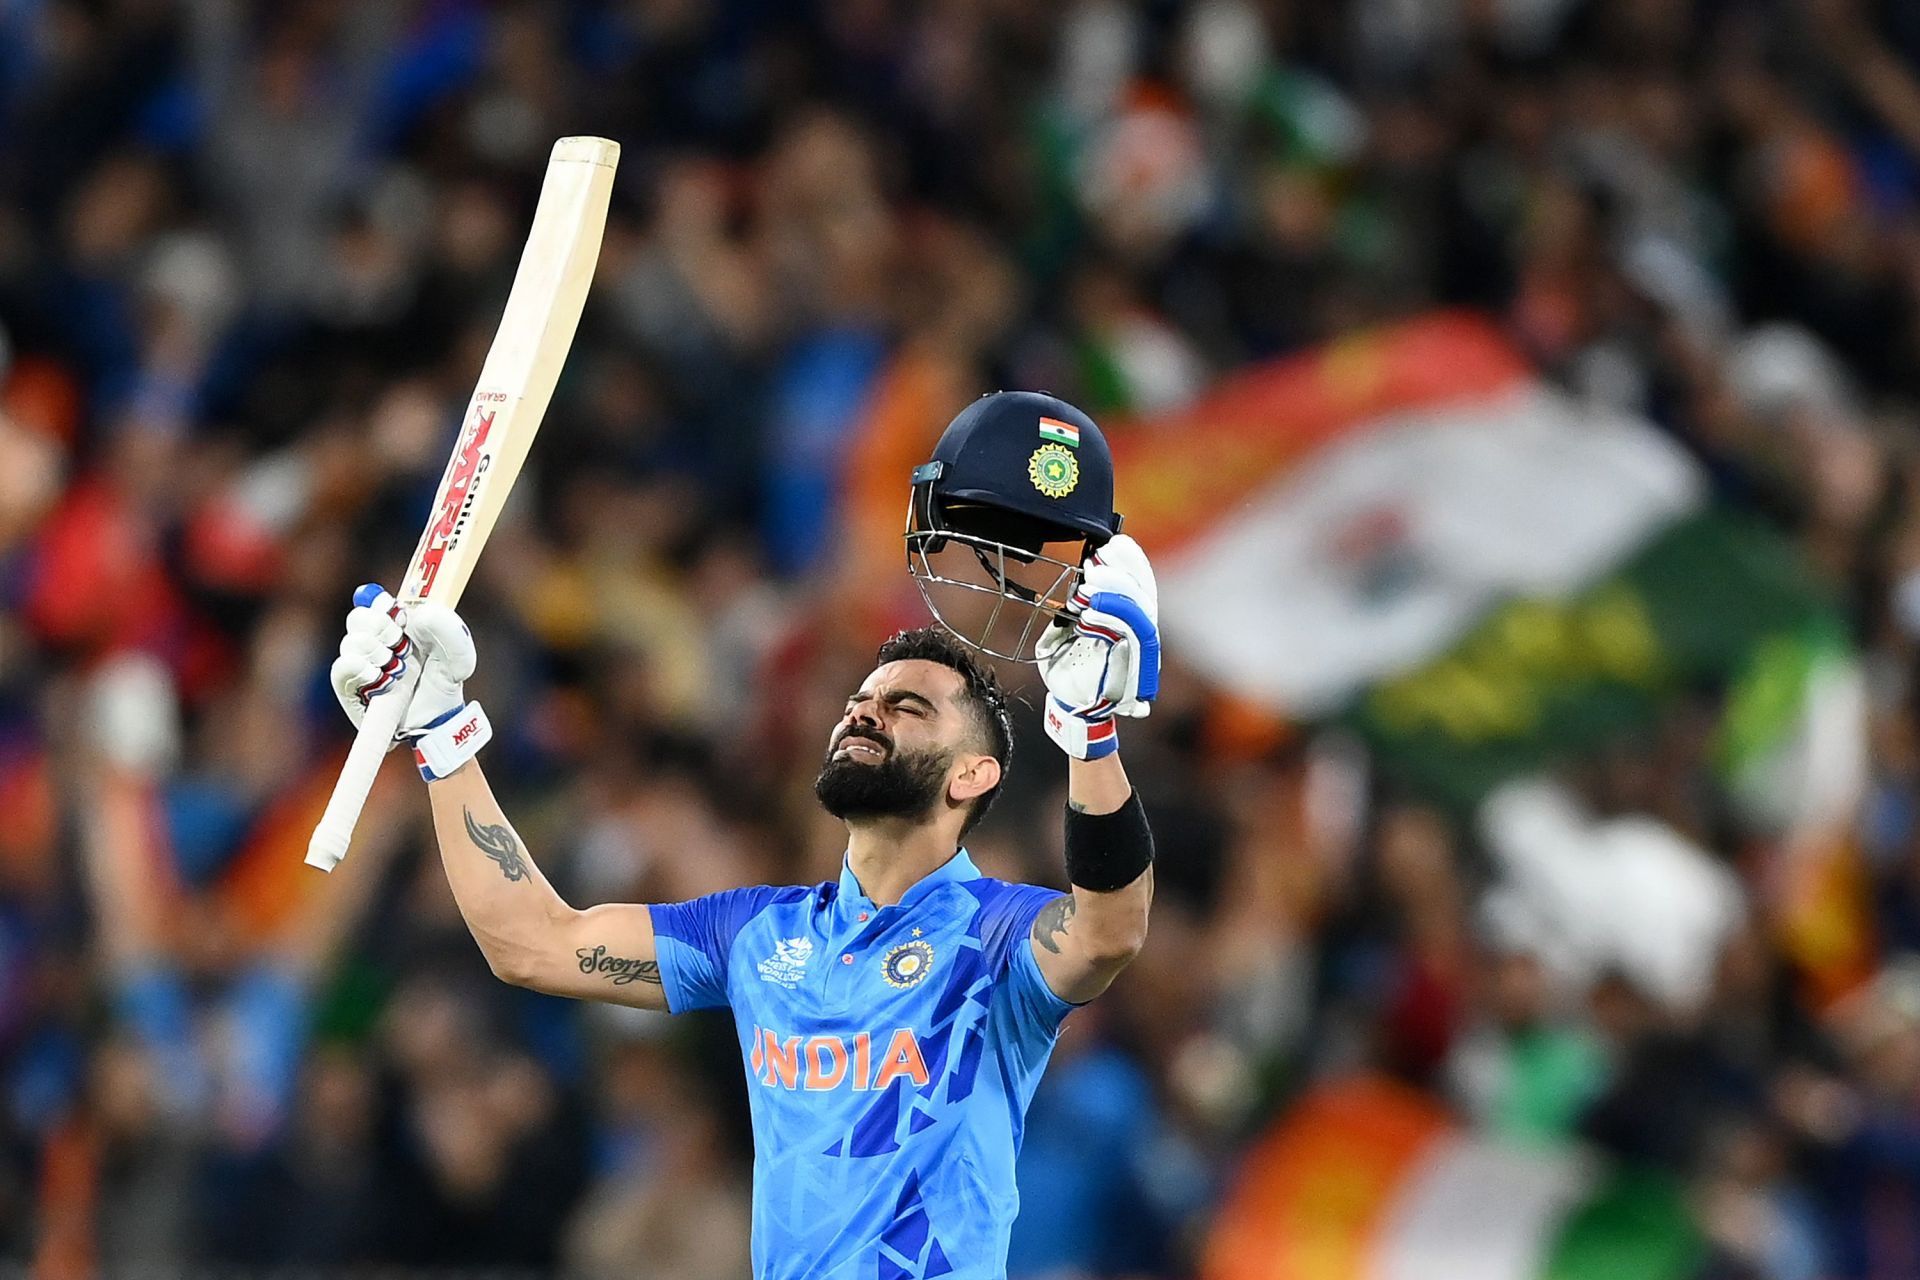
1368,1180
1410,480
1062,432
1410,530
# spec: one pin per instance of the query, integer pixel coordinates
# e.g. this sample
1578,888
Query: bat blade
509,400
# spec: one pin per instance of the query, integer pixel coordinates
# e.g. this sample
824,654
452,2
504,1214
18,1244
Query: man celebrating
894,1022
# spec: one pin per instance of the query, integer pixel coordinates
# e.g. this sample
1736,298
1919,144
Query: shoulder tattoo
1052,922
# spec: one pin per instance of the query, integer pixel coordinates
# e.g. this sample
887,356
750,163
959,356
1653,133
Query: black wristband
1108,851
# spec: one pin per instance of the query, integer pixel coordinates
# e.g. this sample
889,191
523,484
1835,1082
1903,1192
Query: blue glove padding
1103,658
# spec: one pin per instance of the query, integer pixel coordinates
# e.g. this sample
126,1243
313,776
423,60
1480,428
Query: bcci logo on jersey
907,965
788,963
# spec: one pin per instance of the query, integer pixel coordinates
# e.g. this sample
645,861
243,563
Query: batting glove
1103,658
382,640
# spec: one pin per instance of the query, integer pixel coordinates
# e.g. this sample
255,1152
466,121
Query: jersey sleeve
1006,927
693,940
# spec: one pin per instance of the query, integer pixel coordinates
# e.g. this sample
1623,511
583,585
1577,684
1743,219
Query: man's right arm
528,933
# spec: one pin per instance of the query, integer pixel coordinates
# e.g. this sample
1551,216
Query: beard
906,784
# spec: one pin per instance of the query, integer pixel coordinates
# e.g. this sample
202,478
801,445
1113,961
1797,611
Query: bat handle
370,745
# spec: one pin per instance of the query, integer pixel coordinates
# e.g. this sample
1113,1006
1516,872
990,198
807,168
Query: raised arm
1102,663
1083,939
526,930
529,934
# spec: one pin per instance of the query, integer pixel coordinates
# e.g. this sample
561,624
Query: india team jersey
891,1053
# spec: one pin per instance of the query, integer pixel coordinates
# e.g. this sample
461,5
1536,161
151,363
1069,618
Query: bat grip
335,831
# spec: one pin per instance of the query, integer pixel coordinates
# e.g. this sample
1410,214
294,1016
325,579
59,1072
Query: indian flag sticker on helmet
1063,432
1053,471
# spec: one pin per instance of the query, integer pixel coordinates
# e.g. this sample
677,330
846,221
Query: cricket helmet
1018,493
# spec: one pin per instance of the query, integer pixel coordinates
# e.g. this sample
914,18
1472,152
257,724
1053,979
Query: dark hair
983,694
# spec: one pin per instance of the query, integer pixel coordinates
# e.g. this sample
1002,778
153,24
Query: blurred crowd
250,257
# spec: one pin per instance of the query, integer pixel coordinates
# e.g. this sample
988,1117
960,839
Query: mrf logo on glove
445,747
1082,737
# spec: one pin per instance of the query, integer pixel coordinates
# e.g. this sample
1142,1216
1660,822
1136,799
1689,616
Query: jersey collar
954,870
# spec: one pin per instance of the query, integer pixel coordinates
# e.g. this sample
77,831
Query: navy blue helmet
1018,493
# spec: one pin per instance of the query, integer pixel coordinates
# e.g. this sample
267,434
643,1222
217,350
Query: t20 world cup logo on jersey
788,963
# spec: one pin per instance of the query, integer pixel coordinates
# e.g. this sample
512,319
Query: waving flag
1409,530
1369,1180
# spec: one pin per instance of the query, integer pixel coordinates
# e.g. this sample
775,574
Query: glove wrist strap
451,741
1082,737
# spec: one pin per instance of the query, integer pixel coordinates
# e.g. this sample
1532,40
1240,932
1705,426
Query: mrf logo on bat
468,466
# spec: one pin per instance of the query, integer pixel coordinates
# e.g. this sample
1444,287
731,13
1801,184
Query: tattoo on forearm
619,970
1052,922
497,842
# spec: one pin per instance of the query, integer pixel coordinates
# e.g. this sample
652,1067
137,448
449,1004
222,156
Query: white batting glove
1103,659
444,729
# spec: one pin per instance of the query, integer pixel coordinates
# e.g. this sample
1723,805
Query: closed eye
913,704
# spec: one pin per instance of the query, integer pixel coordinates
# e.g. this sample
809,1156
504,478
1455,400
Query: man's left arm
1099,663
1082,940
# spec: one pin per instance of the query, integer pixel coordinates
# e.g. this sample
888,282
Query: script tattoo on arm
1052,922
619,970
497,843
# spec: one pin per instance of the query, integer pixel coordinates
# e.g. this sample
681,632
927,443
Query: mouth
860,748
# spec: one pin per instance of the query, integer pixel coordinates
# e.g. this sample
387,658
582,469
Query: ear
977,776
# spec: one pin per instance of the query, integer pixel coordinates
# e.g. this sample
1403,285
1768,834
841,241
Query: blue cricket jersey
891,1053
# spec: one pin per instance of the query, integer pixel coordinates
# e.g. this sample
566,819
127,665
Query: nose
864,713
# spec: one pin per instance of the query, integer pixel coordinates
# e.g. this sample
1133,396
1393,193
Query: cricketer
895,1021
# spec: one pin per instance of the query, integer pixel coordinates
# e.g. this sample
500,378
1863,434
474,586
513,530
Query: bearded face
866,775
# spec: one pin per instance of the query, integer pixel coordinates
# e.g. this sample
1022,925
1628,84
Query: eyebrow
897,696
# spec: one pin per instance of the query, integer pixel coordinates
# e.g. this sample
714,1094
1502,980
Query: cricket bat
516,382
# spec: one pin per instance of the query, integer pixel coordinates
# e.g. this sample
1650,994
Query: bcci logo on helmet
908,964
1053,470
